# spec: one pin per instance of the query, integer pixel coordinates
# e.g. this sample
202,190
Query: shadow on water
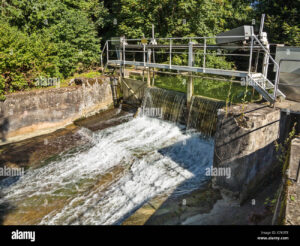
5,209
179,152
184,153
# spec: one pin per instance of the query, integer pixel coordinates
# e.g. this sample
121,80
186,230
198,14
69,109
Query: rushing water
171,106
120,169
126,166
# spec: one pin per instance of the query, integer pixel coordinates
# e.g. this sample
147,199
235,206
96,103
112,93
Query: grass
65,82
89,74
208,88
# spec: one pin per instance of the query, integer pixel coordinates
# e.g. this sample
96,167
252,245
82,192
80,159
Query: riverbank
31,113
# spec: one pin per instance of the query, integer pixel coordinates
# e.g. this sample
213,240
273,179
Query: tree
23,58
203,17
282,20
72,26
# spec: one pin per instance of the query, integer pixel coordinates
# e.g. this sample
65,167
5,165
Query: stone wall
294,165
31,113
244,142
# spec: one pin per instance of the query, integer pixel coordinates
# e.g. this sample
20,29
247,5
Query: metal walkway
144,53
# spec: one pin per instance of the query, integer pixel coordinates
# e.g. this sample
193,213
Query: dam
115,172
110,169
117,150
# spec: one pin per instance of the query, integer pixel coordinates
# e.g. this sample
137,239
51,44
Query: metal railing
267,65
196,46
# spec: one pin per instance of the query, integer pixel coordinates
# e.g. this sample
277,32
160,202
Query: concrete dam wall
245,143
31,113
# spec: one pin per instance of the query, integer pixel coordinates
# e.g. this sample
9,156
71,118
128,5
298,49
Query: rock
87,81
137,113
72,81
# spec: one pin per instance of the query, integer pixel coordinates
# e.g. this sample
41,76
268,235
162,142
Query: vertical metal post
256,61
124,53
276,83
266,64
251,51
262,20
121,58
107,56
190,84
266,58
191,58
124,59
148,69
153,77
170,53
144,54
204,55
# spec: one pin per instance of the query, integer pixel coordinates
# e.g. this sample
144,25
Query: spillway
121,169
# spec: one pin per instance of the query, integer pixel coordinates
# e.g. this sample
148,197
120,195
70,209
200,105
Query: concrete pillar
294,168
153,77
148,69
121,58
148,77
244,151
190,90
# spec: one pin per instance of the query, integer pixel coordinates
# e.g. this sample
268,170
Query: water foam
157,157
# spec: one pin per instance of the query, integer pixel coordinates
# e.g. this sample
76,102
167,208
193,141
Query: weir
171,105
243,136
123,163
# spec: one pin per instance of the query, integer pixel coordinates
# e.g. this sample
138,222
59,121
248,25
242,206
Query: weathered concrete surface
294,164
244,142
206,206
32,113
292,106
292,209
292,212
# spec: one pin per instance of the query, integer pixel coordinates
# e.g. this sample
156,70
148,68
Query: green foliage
282,20
283,149
23,57
203,17
47,38
54,38
178,18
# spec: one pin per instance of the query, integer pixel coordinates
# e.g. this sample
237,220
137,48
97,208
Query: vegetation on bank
56,39
230,92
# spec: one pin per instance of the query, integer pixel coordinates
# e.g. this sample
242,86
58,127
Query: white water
157,158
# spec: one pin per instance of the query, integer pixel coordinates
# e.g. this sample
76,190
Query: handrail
180,38
275,63
140,46
101,57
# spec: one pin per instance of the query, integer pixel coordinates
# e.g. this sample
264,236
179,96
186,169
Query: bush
23,58
45,38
